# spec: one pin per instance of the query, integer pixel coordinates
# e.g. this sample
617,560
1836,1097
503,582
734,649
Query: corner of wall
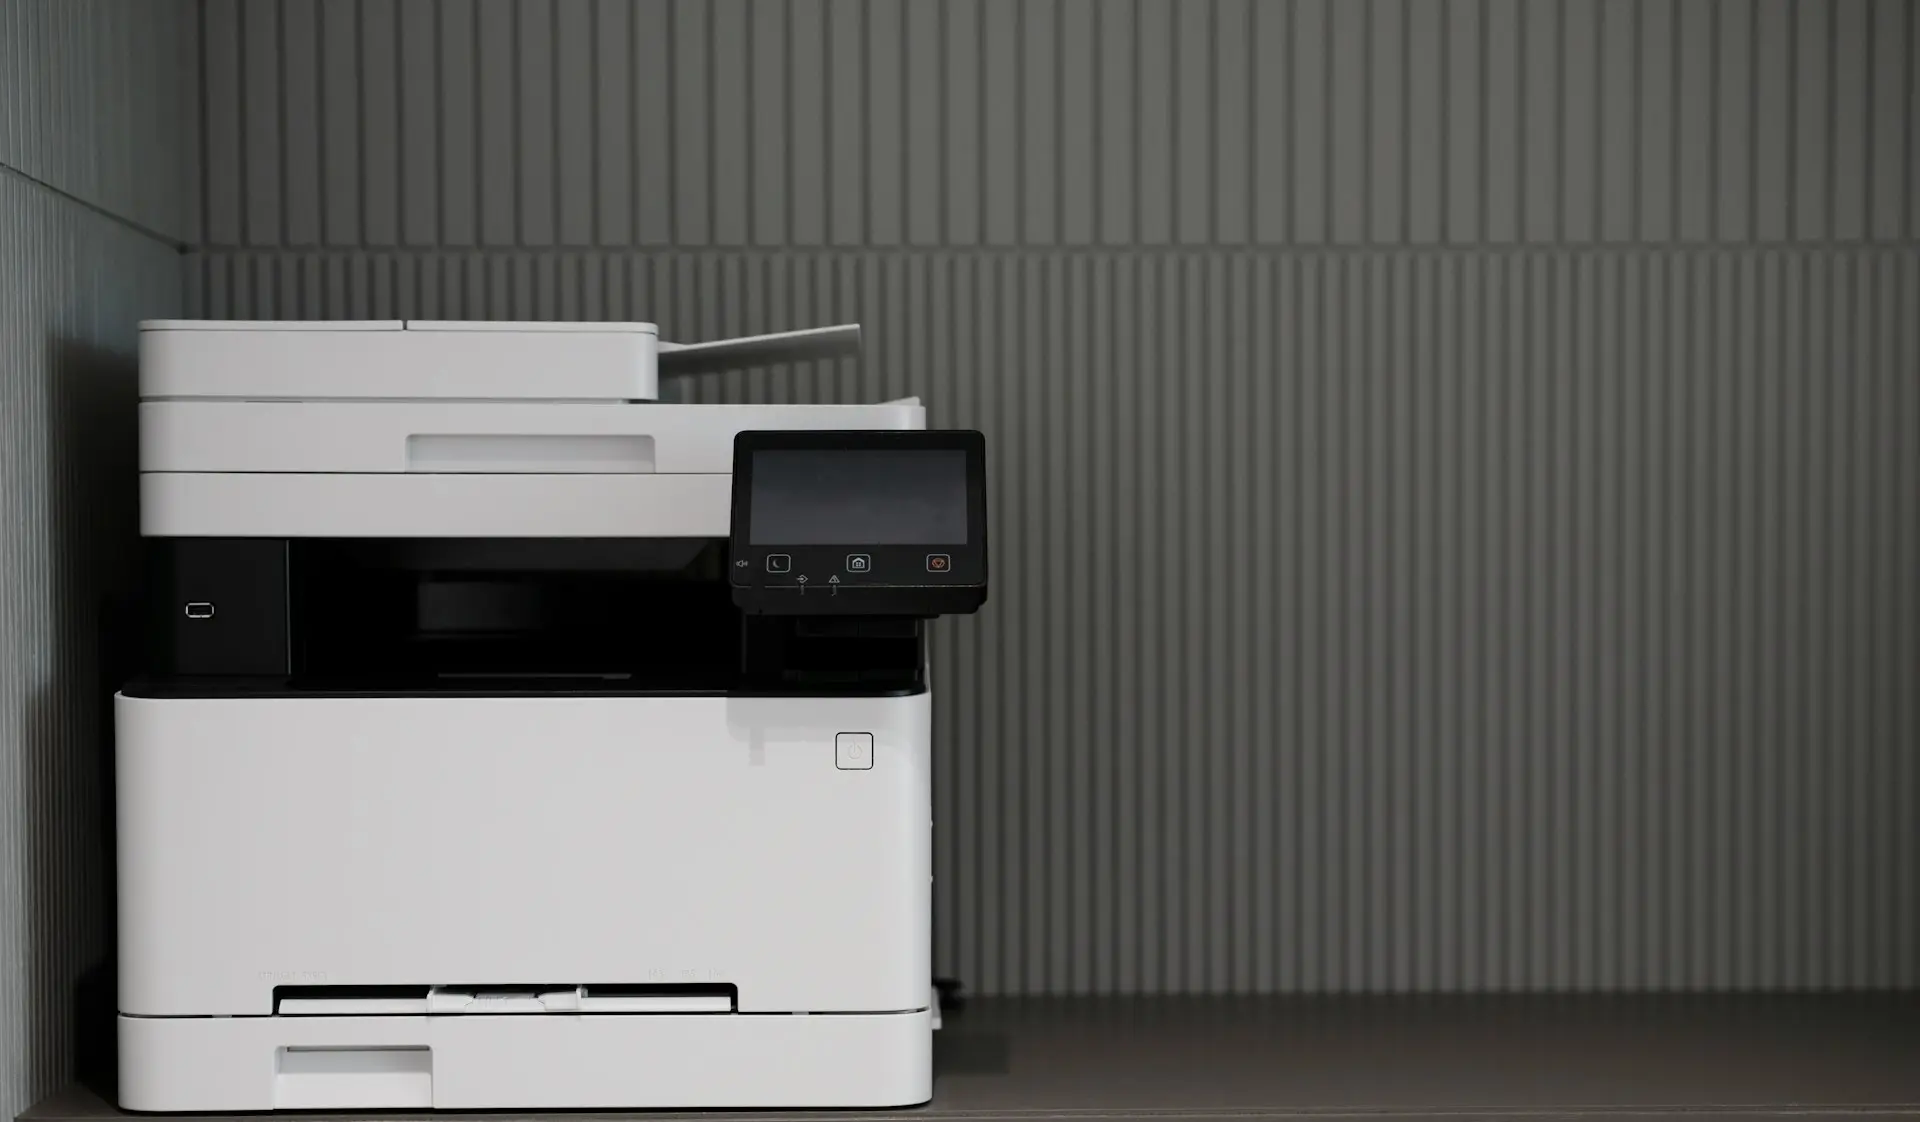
95,206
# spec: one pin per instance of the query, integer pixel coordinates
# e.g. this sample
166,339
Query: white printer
510,740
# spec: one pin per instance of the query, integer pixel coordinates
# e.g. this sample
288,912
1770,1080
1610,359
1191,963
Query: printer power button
853,751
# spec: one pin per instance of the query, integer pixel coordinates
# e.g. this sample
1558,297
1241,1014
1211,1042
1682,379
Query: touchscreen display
845,496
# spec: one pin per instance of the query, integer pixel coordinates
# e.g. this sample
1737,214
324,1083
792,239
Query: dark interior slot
346,993
416,614
825,651
729,992
456,617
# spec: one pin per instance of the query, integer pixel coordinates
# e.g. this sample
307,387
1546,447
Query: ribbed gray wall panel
514,123
73,285
97,101
98,119
1370,620
1454,489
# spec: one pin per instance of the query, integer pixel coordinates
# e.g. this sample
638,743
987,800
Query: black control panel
859,523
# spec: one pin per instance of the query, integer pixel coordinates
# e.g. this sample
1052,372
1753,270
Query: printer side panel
543,840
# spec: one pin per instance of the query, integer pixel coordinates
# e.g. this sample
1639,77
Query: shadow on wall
89,515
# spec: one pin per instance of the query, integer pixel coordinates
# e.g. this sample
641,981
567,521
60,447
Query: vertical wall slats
962,78
926,170
96,139
1849,170
1735,96
1115,197
1544,122
417,65
1654,91
998,77
1813,81
1890,122
653,154
1197,67
1455,620
769,121
223,103
1771,171
456,143
493,101
1454,505
125,79
1423,139
536,121
16,135
258,104
1348,125
731,80
1152,101
377,131
298,102
1502,107
576,135
879,117
1617,92
1695,46
1389,54
1038,99
1913,113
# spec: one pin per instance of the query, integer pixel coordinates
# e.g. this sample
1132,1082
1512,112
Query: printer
510,739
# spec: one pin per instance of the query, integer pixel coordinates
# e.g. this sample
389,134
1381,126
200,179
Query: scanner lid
446,360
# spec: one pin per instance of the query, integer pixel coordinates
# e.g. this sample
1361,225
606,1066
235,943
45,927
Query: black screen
844,496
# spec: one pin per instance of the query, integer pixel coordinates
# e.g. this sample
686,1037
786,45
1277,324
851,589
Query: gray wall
95,141
1454,479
